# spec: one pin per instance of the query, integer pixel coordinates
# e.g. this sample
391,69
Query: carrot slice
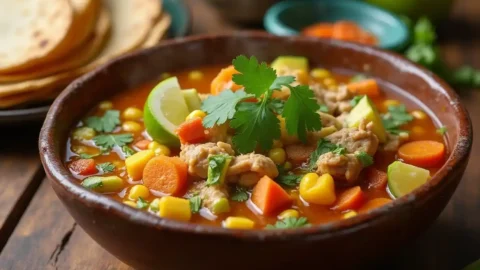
143,144
376,179
422,153
321,30
345,30
224,81
375,203
192,131
165,174
84,166
367,87
269,196
350,199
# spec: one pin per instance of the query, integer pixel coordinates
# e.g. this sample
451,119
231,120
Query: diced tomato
83,166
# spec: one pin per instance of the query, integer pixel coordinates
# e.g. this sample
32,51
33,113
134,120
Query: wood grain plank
48,238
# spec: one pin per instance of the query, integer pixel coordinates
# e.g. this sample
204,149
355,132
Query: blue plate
289,17
180,17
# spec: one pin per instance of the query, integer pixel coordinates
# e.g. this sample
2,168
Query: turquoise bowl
181,20
290,17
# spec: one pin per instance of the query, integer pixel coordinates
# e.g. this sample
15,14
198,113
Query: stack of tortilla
46,44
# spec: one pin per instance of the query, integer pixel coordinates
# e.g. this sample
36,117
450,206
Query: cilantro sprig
396,117
141,203
108,141
287,179
364,158
323,146
256,121
195,204
240,194
290,223
106,167
107,123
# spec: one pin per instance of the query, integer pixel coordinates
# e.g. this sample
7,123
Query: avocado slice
404,178
192,99
365,109
292,62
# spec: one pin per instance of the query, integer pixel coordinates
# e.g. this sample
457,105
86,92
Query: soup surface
368,146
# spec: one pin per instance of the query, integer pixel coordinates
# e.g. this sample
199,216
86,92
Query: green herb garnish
195,204
323,146
355,100
88,156
127,151
287,179
340,150
217,169
396,117
107,142
222,107
290,223
141,203
106,123
240,194
364,158
106,167
92,182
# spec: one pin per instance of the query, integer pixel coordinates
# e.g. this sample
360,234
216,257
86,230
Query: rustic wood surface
36,232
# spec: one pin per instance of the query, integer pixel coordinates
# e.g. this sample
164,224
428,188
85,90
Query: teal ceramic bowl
290,17
181,20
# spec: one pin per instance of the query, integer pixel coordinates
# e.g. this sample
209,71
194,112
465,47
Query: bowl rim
276,26
60,175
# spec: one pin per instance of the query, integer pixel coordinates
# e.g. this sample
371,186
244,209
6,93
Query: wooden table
36,232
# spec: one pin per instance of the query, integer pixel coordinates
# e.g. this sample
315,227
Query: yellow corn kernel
418,131
130,203
132,113
349,214
80,149
404,136
153,145
154,205
130,126
238,223
320,73
288,166
278,155
84,133
174,208
195,75
105,105
159,149
138,191
329,82
195,114
277,144
136,163
289,213
286,138
417,114
318,190
390,102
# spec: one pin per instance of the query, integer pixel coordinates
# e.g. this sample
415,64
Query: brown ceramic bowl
146,241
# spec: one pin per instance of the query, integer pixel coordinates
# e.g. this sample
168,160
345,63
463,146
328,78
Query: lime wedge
192,99
164,111
404,178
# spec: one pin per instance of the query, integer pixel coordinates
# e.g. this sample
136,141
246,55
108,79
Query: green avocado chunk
292,62
365,109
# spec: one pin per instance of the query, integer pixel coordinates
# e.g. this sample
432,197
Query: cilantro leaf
240,194
323,146
255,77
255,124
108,141
195,204
287,179
281,81
340,150
424,32
396,117
154,207
355,100
141,203
358,77
222,107
276,105
106,167
217,168
106,123
364,158
442,130
300,112
92,182
290,223
127,151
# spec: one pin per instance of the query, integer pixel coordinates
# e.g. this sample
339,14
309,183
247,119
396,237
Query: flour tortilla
32,30
159,31
82,55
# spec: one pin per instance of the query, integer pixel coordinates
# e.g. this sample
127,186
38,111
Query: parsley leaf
355,100
442,130
127,151
195,204
217,168
108,141
396,117
364,158
358,77
287,179
92,182
222,107
323,146
255,124
300,112
106,123
340,150
290,223
106,167
240,194
255,77
141,203
424,32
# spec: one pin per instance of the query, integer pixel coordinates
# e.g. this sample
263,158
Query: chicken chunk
196,156
394,142
210,194
252,162
343,168
337,102
356,139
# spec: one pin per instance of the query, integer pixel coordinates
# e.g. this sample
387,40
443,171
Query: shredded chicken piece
356,139
394,141
341,167
337,102
196,156
252,162
210,194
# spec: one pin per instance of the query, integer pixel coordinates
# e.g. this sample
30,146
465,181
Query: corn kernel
137,162
238,223
289,213
418,131
130,126
404,136
318,190
195,75
320,73
330,82
138,191
277,144
174,208
278,155
161,150
417,114
390,102
288,166
84,133
132,113
349,214
105,105
130,203
195,114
